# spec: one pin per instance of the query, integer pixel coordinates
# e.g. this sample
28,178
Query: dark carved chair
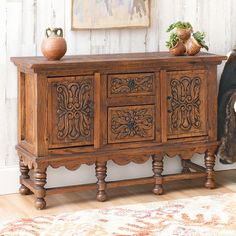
226,112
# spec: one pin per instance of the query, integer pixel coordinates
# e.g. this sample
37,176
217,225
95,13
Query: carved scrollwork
27,161
125,161
130,123
188,153
74,110
73,165
132,84
185,103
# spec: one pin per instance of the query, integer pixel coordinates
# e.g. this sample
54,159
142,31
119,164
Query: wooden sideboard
122,107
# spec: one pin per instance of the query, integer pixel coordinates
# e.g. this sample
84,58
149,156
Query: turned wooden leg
209,163
23,190
39,181
101,173
185,169
157,167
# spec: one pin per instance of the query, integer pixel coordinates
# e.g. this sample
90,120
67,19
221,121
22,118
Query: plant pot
54,45
184,34
192,47
178,50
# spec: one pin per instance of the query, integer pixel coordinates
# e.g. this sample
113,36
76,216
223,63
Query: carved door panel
70,109
131,123
187,103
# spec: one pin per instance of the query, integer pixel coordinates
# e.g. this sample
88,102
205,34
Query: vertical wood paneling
190,12
99,41
232,23
13,44
3,57
14,39
50,13
3,69
202,13
166,17
10,137
151,39
23,24
137,40
114,41
217,24
124,40
28,44
43,21
78,42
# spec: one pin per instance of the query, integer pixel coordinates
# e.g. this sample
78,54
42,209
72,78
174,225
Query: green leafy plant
180,25
200,36
173,40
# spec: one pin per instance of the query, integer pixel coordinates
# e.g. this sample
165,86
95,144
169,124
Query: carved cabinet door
70,111
186,103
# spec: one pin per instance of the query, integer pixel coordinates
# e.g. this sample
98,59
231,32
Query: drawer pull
132,84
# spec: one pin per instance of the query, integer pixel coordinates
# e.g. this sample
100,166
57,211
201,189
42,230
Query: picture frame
107,14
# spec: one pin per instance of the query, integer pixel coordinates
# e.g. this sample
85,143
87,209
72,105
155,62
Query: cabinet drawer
139,84
131,123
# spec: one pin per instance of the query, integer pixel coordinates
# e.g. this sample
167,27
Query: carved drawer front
131,123
70,110
187,103
131,84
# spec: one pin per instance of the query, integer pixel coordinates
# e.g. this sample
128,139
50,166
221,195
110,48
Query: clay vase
192,46
54,45
184,34
178,50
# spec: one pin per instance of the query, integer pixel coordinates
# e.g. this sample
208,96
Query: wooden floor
15,206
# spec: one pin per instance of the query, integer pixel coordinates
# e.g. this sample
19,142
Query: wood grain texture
120,85
15,206
164,106
72,115
33,17
187,103
97,111
71,111
157,167
132,123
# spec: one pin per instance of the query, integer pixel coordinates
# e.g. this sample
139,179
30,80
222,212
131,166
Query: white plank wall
23,24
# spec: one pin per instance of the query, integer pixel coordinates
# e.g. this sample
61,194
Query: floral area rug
208,215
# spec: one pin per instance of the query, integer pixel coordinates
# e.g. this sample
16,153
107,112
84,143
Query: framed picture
101,14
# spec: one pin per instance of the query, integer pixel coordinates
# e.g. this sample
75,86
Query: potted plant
183,29
195,43
175,45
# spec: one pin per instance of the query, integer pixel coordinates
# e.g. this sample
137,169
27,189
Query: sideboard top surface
161,57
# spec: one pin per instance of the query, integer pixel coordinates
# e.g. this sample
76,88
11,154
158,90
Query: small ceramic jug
54,45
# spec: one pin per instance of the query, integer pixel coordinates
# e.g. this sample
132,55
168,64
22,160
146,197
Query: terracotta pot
184,34
54,45
192,47
178,50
